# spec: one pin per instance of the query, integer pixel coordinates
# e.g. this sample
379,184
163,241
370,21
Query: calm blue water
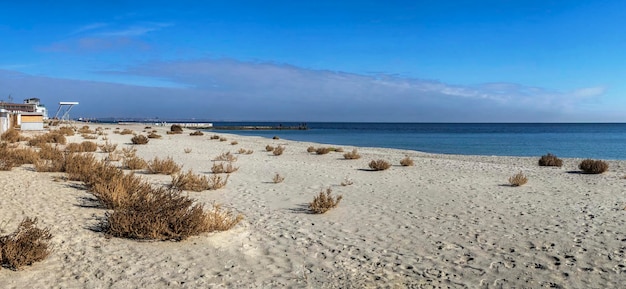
601,141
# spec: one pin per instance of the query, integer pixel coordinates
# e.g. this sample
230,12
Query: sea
570,140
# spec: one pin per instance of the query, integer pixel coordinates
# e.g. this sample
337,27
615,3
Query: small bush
217,181
134,163
324,201
234,142
65,130
311,149
88,146
223,139
219,168
226,157
593,166
139,139
379,165
245,151
50,137
278,178
120,190
275,137
11,136
85,130
269,148
27,245
407,162
89,136
322,151
187,150
108,147
176,128
196,133
166,166
518,180
215,137
126,131
550,160
190,182
18,157
352,155
278,150
346,182
154,135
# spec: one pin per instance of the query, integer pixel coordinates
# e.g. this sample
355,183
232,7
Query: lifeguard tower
64,110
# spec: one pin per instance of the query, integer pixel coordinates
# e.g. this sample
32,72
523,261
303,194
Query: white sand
447,222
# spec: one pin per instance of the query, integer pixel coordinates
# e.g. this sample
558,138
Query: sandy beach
447,222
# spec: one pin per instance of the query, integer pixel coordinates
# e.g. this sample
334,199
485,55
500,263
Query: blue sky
412,61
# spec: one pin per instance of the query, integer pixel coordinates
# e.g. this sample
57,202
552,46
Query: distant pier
260,127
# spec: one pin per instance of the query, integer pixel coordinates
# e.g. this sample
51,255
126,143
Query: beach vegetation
165,166
126,131
139,139
217,181
219,168
278,150
322,150
190,182
85,130
196,133
108,147
64,130
275,137
187,150
550,160
234,142
518,179
50,137
176,129
379,165
226,157
311,149
154,135
269,148
89,136
223,139
346,182
353,155
25,246
278,178
134,163
407,162
590,166
324,201
12,136
215,137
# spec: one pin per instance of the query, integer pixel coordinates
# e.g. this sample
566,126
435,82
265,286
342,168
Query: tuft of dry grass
269,148
322,150
353,155
550,160
324,201
590,166
518,179
89,136
85,130
126,131
176,129
245,151
311,149
108,147
217,181
113,157
223,139
119,190
165,166
278,150
219,168
379,165
27,245
154,135
50,137
12,136
346,182
134,163
278,178
139,139
196,133
65,130
234,142
20,156
190,182
275,137
407,162
226,157
215,137
187,150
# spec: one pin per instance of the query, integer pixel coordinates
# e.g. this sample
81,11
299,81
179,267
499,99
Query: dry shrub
234,142
590,166
50,137
324,201
176,129
139,139
190,182
353,155
219,168
215,136
89,136
72,148
278,178
113,157
221,220
129,152
187,150
278,150
88,146
85,130
65,130
84,168
226,157
379,165
108,147
217,181
126,131
245,151
6,165
269,148
48,152
223,139
134,163
339,150
322,151
147,127
154,135
54,165
518,179
120,190
407,162
275,137
166,166
196,133
11,136
550,160
18,157
27,245
310,149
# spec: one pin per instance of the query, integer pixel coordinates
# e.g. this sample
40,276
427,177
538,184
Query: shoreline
450,220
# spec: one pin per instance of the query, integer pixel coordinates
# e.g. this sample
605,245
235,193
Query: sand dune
447,222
